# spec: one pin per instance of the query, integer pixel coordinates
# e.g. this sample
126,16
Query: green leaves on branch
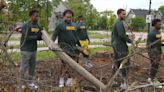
138,23
161,8
21,8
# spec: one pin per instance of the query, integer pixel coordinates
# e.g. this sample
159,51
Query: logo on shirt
158,35
34,30
70,28
82,27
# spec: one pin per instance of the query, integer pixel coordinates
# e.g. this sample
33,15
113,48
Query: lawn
94,35
101,36
18,46
43,55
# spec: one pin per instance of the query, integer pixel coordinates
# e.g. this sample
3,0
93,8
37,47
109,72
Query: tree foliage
111,21
138,23
19,9
84,8
102,22
106,20
93,18
161,8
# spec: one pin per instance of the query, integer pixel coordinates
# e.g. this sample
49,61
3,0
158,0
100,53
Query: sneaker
22,86
156,84
124,85
150,81
32,86
90,65
114,84
69,82
61,82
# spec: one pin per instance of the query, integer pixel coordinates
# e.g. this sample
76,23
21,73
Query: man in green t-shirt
31,32
155,50
84,40
119,43
68,41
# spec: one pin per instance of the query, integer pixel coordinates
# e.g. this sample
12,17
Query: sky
113,5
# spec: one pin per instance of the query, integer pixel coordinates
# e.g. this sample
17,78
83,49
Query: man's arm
162,44
39,34
56,32
87,35
121,32
76,37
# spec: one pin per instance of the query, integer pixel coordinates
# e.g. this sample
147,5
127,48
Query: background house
142,13
56,16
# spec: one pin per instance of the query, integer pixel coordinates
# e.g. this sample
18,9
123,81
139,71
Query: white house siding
56,11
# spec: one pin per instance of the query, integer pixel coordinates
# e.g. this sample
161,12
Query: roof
140,12
162,18
144,12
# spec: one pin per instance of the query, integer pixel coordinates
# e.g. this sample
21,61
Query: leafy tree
84,8
111,21
102,22
20,9
161,8
106,20
138,23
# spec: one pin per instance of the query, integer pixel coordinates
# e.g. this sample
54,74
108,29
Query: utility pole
149,24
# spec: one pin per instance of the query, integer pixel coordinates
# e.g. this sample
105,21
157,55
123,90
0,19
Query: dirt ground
48,73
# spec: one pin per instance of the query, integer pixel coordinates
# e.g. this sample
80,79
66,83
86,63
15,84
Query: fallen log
71,62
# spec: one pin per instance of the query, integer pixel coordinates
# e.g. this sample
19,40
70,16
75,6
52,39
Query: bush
138,23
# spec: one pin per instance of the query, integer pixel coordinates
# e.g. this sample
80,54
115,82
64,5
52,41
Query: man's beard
122,18
68,21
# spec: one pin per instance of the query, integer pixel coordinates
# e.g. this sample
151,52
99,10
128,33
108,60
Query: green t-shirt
29,37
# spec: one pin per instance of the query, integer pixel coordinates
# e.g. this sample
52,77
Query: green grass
99,43
99,36
14,39
44,55
18,46
41,55
16,56
93,34
94,50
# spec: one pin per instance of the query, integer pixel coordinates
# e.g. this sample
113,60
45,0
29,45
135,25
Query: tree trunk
71,62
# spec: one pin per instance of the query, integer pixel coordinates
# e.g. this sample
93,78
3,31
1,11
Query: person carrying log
154,51
119,43
68,41
84,40
31,32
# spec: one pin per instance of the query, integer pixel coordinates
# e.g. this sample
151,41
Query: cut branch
71,62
